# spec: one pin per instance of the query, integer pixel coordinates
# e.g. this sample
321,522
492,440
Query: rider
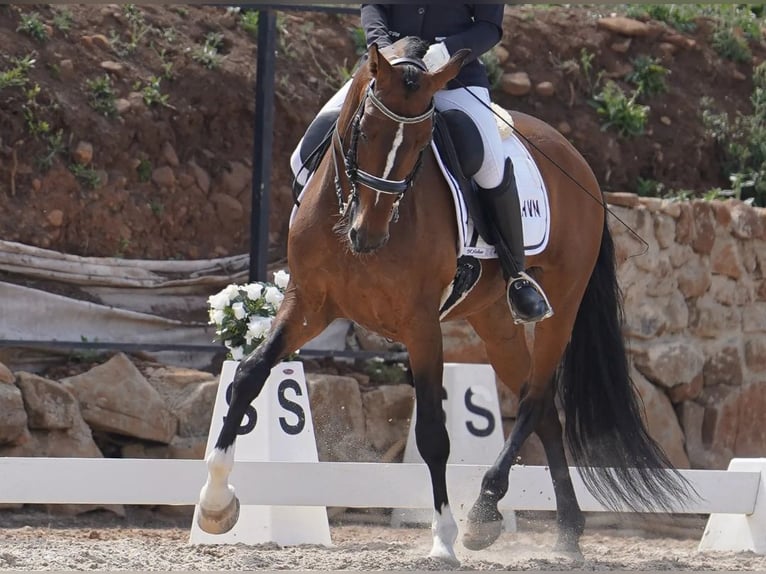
448,27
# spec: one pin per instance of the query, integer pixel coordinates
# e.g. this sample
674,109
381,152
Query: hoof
569,549
447,558
480,535
219,521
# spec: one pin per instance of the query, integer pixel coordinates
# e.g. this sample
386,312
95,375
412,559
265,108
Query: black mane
415,48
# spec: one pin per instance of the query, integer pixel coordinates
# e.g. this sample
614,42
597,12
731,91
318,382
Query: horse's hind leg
293,326
426,362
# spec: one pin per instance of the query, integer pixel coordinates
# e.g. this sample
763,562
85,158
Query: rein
357,176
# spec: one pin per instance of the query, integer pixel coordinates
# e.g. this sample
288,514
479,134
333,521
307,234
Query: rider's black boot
526,299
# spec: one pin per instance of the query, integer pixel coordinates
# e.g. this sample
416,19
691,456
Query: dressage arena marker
475,428
277,427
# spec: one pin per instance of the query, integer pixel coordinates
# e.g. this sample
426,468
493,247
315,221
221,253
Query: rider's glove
436,56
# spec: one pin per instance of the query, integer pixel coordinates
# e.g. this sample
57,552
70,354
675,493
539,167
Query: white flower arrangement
242,314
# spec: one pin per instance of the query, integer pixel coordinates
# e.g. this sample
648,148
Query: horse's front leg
293,326
427,364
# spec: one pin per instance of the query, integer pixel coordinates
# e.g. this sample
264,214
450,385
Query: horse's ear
449,70
376,61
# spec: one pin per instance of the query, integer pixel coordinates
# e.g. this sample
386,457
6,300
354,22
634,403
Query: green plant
648,76
144,170
62,19
619,111
56,147
33,26
32,108
157,207
242,314
730,45
493,67
207,55
649,187
85,175
679,16
360,40
102,95
16,76
138,28
248,21
152,93
586,70
386,373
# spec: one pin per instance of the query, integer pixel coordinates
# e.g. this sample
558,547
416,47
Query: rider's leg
298,157
499,196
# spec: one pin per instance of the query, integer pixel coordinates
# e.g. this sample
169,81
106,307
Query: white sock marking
217,493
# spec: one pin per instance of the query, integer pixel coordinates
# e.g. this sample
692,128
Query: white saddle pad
535,210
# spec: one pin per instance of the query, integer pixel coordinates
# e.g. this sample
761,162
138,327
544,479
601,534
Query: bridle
357,176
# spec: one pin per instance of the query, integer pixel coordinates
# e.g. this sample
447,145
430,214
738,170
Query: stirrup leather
524,276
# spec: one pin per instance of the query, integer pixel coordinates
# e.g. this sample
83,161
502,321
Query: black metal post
263,134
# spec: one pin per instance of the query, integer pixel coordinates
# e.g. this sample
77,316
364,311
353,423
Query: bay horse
381,250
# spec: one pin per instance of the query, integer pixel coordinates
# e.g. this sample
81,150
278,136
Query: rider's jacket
475,26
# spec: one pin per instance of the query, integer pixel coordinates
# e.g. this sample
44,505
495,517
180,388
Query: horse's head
386,134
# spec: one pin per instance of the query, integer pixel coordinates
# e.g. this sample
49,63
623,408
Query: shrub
619,111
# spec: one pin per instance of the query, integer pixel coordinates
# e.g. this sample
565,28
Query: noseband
357,176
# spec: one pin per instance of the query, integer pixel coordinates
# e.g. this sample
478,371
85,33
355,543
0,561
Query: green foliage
493,67
248,21
62,19
649,187
138,28
16,76
730,45
152,93
144,170
360,40
619,111
101,95
56,147
33,26
648,76
679,16
208,54
384,373
585,65
85,175
743,142
32,110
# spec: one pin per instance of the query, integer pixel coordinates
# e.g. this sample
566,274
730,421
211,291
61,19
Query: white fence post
740,532
277,428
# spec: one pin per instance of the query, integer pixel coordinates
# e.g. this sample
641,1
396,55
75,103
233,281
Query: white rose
253,291
273,296
239,310
281,279
257,327
237,353
216,316
232,291
218,301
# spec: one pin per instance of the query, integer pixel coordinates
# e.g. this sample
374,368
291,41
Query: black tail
603,425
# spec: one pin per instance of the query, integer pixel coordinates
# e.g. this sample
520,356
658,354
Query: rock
751,433
169,154
737,75
704,227
66,69
338,413
661,421
55,217
201,177
101,41
725,259
667,49
6,376
692,417
48,404
745,223
621,46
180,447
236,179
564,128
113,67
644,320
227,208
724,365
708,318
665,120
729,292
461,343
115,397
754,318
625,26
621,198
679,40
516,84
13,422
83,153
501,54
122,105
545,89
387,412
694,278
755,354
671,363
164,176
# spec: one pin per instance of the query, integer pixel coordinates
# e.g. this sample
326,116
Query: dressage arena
158,540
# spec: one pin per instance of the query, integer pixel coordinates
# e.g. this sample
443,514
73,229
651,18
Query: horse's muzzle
362,242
